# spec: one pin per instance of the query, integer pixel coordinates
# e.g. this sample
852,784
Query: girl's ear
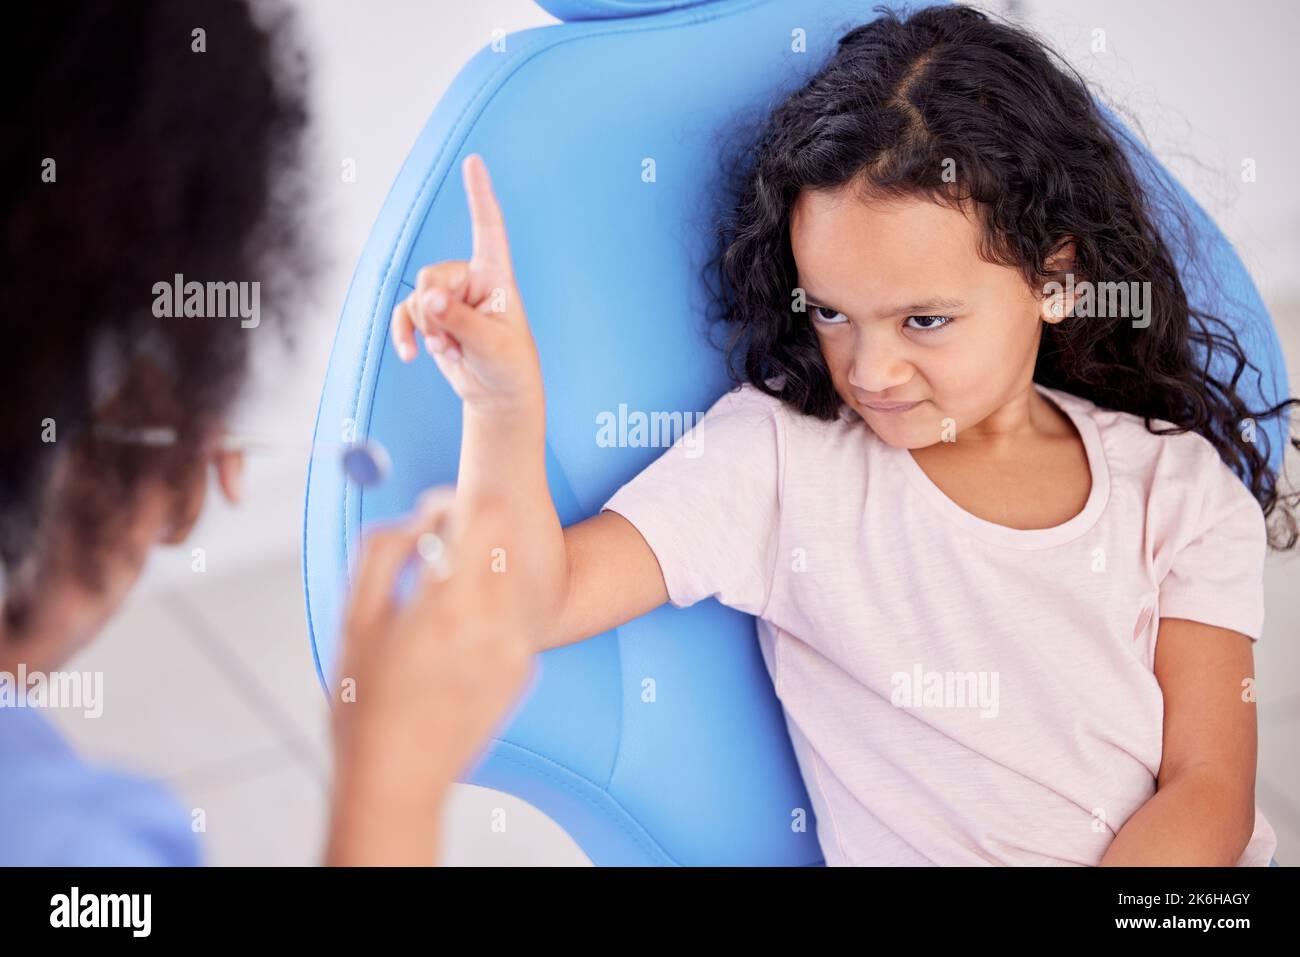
1056,307
230,474
188,495
1061,263
1061,258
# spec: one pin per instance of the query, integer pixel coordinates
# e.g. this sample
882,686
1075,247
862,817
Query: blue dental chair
608,264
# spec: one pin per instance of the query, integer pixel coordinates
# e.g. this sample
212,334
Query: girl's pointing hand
470,314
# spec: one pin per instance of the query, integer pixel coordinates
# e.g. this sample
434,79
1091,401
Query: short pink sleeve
1217,573
708,507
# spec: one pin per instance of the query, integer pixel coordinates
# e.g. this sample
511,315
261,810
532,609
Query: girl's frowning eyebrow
937,304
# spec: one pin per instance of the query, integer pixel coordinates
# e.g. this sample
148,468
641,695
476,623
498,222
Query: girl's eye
827,317
820,314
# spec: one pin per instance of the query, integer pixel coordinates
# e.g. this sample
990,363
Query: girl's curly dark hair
1042,163
145,139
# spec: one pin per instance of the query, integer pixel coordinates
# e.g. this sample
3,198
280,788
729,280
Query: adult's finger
436,544
476,553
384,554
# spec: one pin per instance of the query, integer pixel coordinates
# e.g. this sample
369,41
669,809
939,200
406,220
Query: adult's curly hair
145,139
1041,162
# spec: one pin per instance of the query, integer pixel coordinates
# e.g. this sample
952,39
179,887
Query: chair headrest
572,10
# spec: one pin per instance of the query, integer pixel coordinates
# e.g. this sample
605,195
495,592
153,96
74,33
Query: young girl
1006,579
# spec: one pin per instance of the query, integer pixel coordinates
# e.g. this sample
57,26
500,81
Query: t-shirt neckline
1004,535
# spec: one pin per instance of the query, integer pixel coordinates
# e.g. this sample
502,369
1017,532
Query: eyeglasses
366,463
159,436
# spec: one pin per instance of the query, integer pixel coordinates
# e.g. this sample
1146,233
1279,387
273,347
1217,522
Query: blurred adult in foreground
148,140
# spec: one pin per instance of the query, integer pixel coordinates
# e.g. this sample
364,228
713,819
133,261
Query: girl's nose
877,367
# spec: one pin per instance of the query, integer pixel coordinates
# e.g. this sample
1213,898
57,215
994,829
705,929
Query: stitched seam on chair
642,839
306,579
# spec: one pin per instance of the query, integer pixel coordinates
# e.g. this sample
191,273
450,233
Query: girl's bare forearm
503,457
1195,820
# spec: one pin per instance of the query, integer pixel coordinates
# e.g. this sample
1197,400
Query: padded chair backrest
608,263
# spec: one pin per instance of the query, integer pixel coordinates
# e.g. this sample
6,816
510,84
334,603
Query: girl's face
907,312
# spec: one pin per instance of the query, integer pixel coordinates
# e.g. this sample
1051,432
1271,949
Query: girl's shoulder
1160,456
748,402
798,437
747,395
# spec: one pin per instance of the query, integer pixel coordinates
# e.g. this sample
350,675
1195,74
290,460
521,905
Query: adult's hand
422,683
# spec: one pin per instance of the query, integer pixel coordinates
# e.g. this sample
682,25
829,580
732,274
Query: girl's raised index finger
491,250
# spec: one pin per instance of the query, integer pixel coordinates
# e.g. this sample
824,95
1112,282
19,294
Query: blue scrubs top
55,809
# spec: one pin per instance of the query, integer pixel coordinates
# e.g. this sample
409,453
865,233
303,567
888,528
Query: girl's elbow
1237,801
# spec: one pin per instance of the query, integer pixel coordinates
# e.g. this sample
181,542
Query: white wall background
213,675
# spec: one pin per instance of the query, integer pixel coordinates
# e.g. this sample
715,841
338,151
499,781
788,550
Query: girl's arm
587,578
579,581
1203,811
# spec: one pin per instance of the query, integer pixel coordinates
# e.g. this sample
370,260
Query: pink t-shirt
891,620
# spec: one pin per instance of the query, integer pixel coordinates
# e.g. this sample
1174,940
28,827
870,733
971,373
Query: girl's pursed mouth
890,406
